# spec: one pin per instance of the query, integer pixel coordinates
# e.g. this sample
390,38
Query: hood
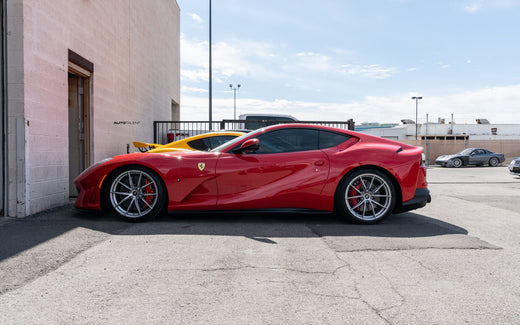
445,157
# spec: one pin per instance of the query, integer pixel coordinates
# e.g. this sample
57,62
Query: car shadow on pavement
38,244
80,230
285,224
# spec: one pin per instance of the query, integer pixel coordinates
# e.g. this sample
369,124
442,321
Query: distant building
441,139
374,125
81,80
442,131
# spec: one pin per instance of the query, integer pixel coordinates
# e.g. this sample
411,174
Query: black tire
493,162
365,196
135,193
456,163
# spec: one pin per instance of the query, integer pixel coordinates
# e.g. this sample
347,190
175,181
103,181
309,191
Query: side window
220,140
200,144
288,140
331,139
210,143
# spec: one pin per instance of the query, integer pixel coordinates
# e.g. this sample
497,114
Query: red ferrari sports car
361,177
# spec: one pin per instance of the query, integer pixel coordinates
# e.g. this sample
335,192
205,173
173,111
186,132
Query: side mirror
249,145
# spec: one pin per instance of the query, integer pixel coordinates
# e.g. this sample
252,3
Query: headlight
97,164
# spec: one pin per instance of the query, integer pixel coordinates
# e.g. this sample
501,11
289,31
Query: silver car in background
514,166
471,156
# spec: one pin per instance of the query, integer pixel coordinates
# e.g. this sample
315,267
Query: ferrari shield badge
201,166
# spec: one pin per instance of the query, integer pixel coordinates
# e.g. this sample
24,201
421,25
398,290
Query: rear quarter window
329,139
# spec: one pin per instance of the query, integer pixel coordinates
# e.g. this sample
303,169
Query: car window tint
210,143
331,139
288,140
199,144
221,139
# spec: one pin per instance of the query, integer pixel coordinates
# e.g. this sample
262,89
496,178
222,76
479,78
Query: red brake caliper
352,192
148,190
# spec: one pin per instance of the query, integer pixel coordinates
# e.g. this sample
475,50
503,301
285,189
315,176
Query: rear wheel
136,194
493,162
365,196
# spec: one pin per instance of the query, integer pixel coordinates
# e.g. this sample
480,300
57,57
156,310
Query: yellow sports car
201,142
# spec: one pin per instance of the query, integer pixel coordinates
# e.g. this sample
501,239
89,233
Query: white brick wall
134,46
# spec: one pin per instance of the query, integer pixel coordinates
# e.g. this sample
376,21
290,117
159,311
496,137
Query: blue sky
335,60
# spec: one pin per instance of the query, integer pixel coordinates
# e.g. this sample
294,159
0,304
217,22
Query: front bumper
514,169
421,198
442,163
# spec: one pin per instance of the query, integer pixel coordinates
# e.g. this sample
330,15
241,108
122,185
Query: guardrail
168,131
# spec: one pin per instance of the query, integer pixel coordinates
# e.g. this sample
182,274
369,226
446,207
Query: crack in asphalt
359,297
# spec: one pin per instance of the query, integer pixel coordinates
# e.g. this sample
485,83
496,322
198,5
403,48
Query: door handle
319,163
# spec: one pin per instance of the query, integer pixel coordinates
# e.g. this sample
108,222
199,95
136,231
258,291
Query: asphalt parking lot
455,261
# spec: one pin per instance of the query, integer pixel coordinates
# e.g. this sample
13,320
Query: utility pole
234,99
210,76
416,111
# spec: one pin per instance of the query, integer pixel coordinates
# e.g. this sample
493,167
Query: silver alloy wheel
134,193
457,163
493,162
368,197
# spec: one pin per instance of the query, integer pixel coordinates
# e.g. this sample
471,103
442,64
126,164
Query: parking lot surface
455,261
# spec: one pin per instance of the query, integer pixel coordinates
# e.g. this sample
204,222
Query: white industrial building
440,131
80,80
447,138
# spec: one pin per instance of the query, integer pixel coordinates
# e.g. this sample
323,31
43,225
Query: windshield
465,152
236,140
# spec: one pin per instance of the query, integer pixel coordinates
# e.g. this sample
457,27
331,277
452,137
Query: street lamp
234,99
210,75
416,111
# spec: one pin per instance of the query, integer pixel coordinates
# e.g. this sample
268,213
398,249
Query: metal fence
168,131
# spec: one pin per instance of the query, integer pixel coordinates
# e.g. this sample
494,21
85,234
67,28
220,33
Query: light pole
234,99
416,111
210,76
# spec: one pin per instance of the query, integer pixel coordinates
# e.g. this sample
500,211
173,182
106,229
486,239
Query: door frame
83,70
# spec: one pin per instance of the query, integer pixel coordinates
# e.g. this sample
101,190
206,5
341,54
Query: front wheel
456,163
366,196
493,162
136,194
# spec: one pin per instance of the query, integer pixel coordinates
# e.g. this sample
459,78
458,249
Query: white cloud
474,6
196,18
480,5
185,89
498,104
236,58
194,54
372,71
194,75
266,61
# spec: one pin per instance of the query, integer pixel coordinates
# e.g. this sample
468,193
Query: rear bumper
420,199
